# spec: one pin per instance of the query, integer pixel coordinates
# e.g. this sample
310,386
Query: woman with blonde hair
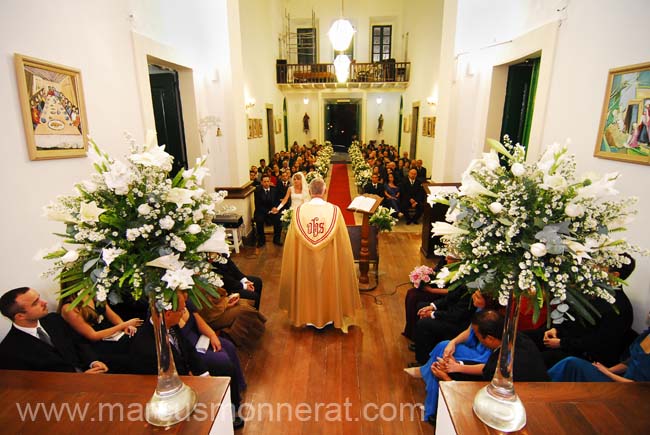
104,329
298,193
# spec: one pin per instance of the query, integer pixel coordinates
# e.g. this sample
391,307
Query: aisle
339,191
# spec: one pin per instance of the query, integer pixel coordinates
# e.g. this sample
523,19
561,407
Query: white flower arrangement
132,229
324,158
383,219
535,230
362,171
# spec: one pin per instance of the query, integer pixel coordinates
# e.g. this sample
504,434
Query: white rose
574,210
132,234
538,249
166,223
518,169
194,229
495,207
144,209
70,257
553,182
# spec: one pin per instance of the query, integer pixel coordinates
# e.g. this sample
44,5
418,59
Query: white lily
179,279
445,229
169,262
153,155
216,242
491,160
89,212
179,196
110,254
603,186
472,188
70,256
554,182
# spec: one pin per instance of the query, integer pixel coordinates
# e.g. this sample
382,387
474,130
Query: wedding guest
234,281
603,341
219,355
266,198
105,331
234,317
462,354
374,187
441,320
636,368
42,341
392,194
412,197
488,329
187,361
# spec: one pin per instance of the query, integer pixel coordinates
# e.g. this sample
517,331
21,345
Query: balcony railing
387,73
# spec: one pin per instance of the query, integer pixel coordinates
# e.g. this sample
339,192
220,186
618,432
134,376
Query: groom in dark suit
266,200
41,341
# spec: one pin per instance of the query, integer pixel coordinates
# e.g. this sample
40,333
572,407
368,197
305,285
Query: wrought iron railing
378,72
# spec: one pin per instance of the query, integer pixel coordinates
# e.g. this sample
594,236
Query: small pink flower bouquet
420,274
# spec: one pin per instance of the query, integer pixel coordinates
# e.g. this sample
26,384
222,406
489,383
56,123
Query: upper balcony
386,74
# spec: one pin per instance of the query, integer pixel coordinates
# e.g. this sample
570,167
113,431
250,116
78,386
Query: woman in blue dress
391,191
635,368
464,348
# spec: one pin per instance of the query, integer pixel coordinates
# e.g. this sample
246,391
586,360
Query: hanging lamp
341,33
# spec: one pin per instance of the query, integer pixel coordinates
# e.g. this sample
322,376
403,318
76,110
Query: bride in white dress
299,193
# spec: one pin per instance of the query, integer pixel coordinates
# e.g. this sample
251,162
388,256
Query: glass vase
497,405
173,401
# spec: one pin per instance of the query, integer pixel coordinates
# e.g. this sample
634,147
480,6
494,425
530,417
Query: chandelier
341,33
342,68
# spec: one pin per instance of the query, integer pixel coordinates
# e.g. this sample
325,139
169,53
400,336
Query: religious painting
278,125
53,109
624,132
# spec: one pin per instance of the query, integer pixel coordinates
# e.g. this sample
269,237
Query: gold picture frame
407,123
53,109
624,130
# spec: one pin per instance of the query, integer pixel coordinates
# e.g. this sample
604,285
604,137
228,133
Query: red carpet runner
339,191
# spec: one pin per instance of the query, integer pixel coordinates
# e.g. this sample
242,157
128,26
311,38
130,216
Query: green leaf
89,264
127,274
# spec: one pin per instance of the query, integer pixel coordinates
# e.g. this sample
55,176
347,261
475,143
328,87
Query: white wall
261,22
581,51
423,19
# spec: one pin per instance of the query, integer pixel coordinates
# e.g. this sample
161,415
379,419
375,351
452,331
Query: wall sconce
431,101
305,100
379,100
250,103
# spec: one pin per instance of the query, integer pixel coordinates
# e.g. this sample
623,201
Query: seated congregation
456,335
94,338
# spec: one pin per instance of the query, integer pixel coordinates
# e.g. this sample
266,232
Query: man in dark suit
283,185
421,171
442,320
145,358
374,187
41,341
234,281
266,198
411,197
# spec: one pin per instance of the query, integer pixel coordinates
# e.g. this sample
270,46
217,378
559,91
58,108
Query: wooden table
104,404
554,408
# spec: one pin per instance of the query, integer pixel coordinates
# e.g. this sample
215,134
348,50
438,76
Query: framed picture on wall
250,125
624,131
407,123
53,109
278,125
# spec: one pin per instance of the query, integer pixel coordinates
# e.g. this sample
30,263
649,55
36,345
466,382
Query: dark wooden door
168,115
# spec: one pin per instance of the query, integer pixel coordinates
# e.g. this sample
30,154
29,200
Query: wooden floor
335,383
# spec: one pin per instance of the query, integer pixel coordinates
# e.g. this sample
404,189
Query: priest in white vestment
318,282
